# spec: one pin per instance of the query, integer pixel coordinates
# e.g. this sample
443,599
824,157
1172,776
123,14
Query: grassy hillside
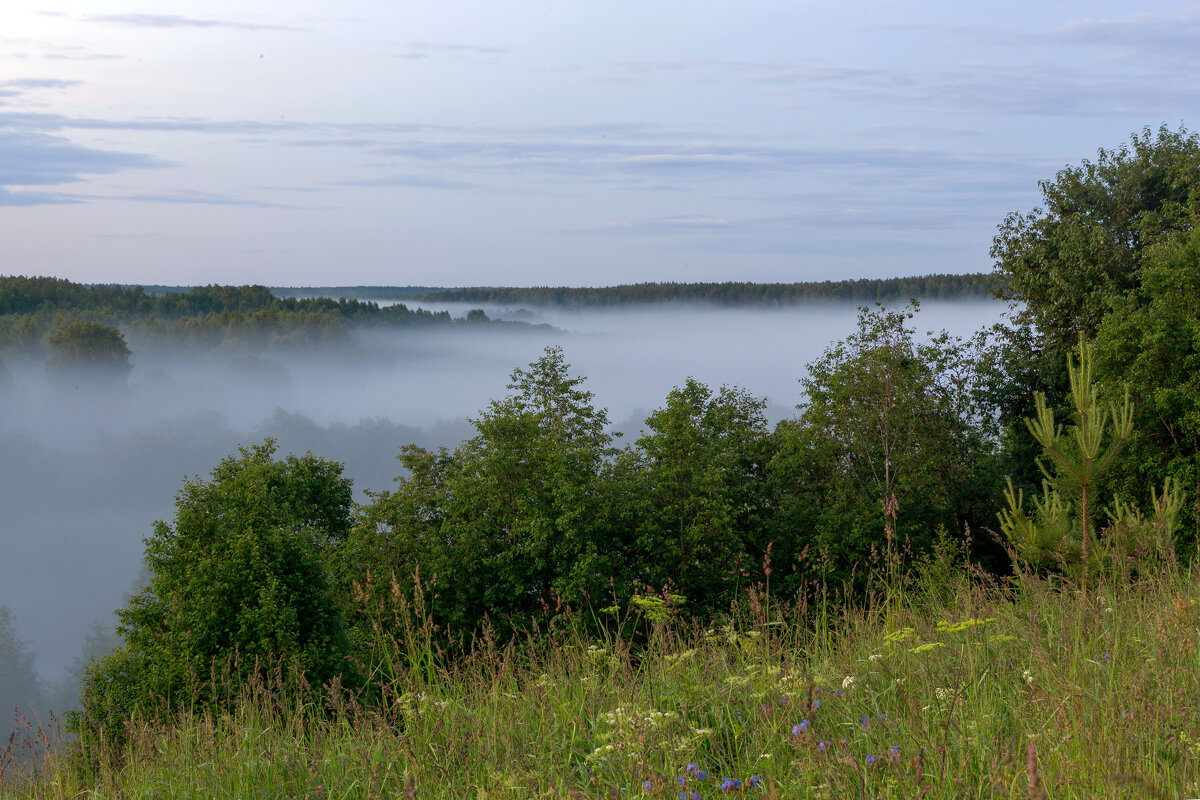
958,688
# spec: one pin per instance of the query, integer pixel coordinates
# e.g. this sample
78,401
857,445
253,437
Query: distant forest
228,317
728,293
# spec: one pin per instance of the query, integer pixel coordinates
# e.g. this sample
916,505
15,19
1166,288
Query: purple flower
870,759
754,781
816,703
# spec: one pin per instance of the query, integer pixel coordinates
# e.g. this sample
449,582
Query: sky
450,143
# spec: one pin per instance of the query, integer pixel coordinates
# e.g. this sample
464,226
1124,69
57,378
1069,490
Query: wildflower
944,694
822,744
1028,676
801,728
875,657
896,751
838,693
870,759
681,780
646,785
816,703
754,781
729,784
847,681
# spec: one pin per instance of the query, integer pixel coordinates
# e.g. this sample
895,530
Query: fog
85,470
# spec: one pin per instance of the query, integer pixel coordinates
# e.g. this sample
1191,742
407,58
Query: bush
238,589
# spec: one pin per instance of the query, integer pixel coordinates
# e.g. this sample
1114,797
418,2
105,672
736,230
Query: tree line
732,293
41,313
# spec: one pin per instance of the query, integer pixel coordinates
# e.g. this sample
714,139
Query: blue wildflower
646,785
870,759
816,703
754,781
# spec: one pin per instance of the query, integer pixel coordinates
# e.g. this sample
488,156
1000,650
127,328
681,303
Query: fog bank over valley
85,469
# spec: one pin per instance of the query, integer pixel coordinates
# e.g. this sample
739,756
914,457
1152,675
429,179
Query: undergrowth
965,689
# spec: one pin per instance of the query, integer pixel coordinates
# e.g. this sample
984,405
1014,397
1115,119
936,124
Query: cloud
18,88
193,197
169,21
8,198
660,226
410,181
38,159
417,51
1155,36
38,83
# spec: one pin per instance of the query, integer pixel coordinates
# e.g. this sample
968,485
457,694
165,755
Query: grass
965,689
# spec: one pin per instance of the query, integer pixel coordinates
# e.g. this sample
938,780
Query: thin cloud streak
169,21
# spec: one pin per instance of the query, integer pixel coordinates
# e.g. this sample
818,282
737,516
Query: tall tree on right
1111,257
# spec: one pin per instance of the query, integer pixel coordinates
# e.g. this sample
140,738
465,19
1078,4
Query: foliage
513,521
89,347
229,317
20,689
1066,262
888,439
1152,341
729,293
977,694
238,586
701,500
1059,533
1107,257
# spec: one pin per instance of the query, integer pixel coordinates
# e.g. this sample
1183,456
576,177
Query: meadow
950,685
